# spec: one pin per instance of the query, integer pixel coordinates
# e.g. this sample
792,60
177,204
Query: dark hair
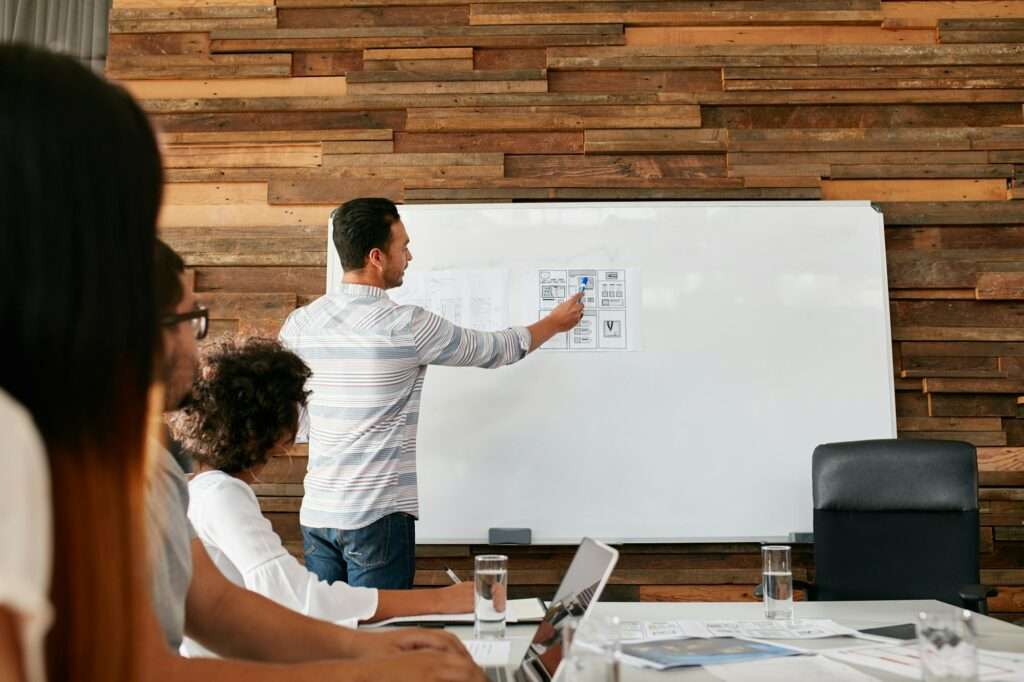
247,398
81,178
359,226
167,270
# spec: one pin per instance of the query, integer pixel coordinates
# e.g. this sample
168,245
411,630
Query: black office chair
897,519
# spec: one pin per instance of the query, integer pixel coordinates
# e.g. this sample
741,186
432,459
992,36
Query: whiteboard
761,329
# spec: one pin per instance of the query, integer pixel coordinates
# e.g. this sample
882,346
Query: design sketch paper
606,307
475,299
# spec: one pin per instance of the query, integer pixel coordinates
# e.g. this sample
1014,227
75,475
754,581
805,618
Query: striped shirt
369,356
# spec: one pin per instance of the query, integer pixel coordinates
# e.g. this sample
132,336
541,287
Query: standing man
369,357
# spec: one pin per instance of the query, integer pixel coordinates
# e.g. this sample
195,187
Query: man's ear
375,259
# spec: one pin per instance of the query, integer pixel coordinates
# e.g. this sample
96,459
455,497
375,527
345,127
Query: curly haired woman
245,409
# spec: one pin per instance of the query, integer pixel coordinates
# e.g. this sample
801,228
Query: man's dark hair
247,398
360,226
167,270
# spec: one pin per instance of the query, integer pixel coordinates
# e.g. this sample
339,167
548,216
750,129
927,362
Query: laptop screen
581,587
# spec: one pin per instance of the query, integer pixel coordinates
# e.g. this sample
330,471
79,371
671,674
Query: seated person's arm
10,647
158,664
237,623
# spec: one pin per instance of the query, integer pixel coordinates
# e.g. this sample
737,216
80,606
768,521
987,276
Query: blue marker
583,283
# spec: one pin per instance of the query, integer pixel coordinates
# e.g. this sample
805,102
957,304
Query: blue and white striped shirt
369,356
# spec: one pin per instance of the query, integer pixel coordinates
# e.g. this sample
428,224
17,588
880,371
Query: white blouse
26,533
244,546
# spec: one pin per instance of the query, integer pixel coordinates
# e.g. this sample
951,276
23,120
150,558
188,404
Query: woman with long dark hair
81,180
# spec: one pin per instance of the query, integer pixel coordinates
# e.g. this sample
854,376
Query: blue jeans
381,555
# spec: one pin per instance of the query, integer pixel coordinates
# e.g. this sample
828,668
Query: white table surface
993,634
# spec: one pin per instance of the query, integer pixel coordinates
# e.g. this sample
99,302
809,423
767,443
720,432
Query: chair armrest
809,588
974,597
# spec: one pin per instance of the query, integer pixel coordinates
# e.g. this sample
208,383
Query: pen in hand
451,576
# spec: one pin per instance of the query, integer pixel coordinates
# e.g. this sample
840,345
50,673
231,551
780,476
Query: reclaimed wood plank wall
272,113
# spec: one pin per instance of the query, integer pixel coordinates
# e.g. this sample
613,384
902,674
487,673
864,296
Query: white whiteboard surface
764,330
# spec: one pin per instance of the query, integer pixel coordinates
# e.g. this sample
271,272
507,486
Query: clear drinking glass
777,582
490,576
592,649
946,642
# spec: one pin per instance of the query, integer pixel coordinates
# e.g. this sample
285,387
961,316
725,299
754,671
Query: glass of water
593,649
490,601
946,642
777,582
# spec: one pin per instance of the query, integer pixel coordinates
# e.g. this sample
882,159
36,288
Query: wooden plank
963,349
250,245
916,190
847,139
215,193
680,57
453,14
874,84
149,4
952,213
552,118
981,30
949,423
193,25
961,170
294,280
185,66
932,333
959,405
413,83
476,194
977,438
921,55
625,166
244,214
696,593
642,36
382,147
922,159
681,80
886,71
272,155
242,87
1000,459
426,53
265,136
185,11
934,115
127,45
504,142
233,306
338,63
957,313
668,12
278,120
943,385
331,190
421,66
371,104
782,181
662,141
361,38
646,193
408,166
912,13
823,97
1000,286
504,59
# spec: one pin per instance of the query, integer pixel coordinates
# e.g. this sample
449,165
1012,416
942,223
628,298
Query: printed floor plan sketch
604,313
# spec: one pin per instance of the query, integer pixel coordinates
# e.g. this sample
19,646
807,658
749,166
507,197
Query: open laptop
581,587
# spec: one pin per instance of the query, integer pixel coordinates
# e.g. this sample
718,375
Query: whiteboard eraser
509,536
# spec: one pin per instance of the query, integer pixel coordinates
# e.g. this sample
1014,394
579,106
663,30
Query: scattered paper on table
905,660
493,652
789,669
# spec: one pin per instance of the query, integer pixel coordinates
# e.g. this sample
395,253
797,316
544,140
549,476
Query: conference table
993,634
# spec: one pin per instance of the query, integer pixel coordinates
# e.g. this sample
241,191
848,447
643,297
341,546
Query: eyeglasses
200,319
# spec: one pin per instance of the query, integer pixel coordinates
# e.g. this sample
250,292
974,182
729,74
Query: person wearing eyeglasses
191,596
